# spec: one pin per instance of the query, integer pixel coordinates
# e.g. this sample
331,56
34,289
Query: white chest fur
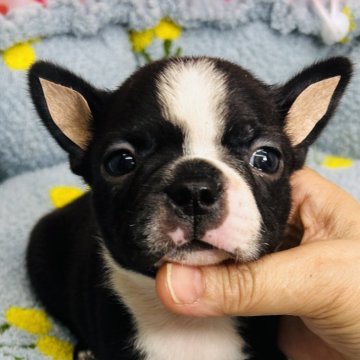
162,335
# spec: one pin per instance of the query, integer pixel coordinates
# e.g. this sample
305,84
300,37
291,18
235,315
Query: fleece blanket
104,41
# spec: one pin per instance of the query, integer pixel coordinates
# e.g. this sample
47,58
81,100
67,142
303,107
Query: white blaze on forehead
192,95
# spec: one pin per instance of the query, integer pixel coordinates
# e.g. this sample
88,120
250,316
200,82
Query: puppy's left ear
309,99
67,106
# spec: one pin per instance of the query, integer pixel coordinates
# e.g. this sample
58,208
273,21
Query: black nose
194,197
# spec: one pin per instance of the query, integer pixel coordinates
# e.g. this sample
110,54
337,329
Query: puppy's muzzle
196,204
212,214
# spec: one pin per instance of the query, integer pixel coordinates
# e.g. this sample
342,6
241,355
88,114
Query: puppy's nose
194,197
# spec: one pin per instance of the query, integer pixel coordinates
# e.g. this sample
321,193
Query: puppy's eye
119,162
265,159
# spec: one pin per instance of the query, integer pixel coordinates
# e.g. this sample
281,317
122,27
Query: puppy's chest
167,337
161,335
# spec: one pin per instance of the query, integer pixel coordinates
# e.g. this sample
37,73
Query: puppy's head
189,160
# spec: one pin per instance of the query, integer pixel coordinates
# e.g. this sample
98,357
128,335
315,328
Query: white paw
85,355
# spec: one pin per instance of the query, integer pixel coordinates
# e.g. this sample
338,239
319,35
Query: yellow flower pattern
63,195
352,24
31,320
167,30
140,40
55,348
36,322
19,56
336,162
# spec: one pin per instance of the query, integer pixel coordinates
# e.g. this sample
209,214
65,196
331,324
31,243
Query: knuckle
238,289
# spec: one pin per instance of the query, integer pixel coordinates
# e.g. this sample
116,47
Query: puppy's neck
162,335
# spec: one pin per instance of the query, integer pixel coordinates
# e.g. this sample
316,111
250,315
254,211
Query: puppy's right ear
66,104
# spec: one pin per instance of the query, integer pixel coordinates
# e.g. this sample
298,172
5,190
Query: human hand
317,283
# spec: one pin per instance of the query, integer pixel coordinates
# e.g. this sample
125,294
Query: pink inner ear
309,108
69,111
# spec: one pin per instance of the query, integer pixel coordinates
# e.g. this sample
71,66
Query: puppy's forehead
192,95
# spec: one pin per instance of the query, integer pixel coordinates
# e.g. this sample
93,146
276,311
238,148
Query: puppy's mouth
196,253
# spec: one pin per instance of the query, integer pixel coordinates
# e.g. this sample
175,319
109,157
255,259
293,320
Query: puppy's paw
85,355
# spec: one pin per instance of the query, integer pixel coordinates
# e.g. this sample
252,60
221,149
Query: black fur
64,261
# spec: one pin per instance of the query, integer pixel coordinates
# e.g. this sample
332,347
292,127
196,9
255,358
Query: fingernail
185,283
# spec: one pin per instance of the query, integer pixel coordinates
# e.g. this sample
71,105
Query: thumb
294,282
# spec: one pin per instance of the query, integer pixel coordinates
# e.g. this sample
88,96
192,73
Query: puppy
188,162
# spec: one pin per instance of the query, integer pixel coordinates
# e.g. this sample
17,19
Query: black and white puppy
189,162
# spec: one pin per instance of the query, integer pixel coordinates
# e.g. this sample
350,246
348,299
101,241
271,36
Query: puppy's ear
66,105
309,99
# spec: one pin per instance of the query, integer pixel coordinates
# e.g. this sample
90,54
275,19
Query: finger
295,282
321,207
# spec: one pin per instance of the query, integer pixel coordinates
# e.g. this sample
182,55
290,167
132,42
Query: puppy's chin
197,257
